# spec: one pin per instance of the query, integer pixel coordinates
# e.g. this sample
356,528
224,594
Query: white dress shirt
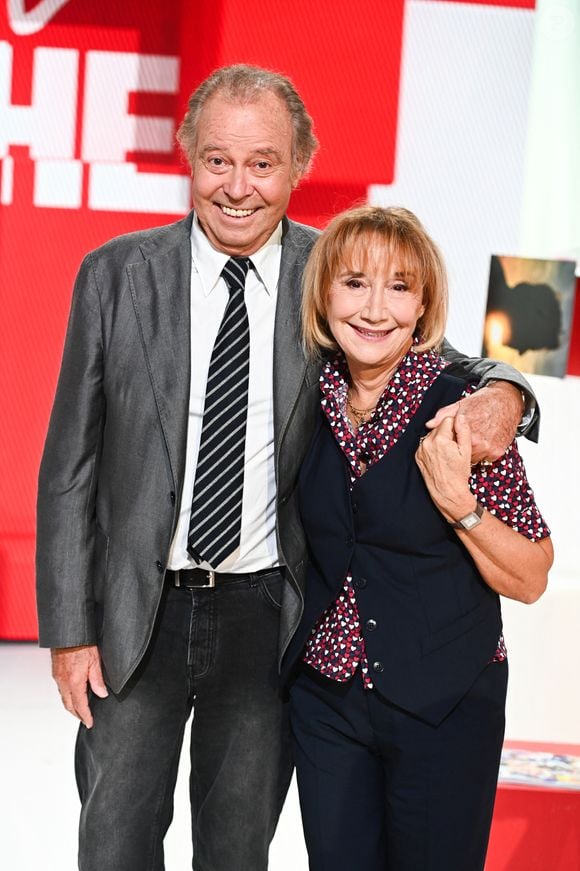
209,296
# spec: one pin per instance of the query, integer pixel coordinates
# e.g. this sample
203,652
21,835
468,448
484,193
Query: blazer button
360,583
378,666
354,507
172,497
371,625
159,565
349,541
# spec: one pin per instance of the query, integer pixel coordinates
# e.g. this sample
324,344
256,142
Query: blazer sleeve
485,370
68,475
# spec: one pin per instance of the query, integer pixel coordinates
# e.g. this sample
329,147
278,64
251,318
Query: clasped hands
476,429
493,414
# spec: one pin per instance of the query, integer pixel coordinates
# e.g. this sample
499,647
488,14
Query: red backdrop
66,92
90,94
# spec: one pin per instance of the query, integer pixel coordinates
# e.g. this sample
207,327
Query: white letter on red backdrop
48,125
109,132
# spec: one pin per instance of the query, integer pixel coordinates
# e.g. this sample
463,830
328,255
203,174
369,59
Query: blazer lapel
160,288
289,361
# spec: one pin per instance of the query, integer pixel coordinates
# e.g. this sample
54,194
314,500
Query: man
170,553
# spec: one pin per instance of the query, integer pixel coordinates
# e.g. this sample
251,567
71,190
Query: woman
398,670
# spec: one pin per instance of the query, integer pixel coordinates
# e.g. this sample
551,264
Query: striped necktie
216,510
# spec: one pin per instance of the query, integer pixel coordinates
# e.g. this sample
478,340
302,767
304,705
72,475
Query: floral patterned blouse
336,646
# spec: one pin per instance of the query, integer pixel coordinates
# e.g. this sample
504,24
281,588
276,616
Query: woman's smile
370,335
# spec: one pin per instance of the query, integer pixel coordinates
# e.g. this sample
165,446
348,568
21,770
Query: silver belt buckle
211,579
210,576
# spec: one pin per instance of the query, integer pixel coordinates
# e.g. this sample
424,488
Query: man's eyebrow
211,147
267,151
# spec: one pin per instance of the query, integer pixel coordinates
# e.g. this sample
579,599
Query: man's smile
236,213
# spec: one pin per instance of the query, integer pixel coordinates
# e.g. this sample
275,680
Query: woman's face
372,313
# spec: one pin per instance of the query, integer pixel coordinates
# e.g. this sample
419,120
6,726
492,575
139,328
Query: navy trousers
381,790
213,650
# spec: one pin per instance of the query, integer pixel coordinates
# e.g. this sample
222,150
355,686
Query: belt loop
254,580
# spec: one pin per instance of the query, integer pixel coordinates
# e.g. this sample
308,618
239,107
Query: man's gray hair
242,83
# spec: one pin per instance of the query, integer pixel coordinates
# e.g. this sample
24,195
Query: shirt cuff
530,406
529,411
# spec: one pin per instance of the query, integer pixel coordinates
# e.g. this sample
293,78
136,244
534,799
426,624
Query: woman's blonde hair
358,236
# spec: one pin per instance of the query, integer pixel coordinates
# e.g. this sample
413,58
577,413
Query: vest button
354,507
361,583
378,666
349,541
159,565
172,497
371,625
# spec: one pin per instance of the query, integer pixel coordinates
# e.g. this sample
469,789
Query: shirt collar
414,369
209,262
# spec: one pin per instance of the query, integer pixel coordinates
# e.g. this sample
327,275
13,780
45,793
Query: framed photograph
530,307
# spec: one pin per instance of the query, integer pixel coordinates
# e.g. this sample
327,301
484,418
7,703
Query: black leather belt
196,579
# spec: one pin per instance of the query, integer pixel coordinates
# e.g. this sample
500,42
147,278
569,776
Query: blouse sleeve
503,489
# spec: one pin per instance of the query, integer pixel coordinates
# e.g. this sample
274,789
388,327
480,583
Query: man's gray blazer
113,464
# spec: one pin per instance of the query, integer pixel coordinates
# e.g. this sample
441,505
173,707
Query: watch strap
470,520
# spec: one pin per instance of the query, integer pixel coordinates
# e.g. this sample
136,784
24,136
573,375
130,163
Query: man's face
242,171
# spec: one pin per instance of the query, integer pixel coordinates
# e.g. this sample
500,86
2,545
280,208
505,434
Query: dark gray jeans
213,650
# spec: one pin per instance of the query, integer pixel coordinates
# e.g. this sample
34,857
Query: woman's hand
508,562
444,459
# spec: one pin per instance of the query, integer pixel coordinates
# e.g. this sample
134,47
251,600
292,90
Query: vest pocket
455,630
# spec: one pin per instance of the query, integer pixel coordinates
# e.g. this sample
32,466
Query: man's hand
73,668
493,414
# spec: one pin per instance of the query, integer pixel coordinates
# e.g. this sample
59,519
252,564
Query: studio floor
39,804
38,798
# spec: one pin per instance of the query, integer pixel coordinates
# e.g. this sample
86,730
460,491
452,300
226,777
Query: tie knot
235,271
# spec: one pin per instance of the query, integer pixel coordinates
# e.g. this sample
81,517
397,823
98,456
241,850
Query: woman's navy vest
429,621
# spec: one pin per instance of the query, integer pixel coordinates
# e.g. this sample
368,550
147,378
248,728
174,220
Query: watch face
470,520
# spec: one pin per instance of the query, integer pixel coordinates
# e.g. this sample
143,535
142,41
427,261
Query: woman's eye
354,284
400,288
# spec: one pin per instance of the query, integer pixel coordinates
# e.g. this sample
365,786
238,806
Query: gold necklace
361,415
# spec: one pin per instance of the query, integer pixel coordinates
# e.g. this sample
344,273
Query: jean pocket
270,589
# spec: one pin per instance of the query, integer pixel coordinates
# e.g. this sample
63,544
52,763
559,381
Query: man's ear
299,174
